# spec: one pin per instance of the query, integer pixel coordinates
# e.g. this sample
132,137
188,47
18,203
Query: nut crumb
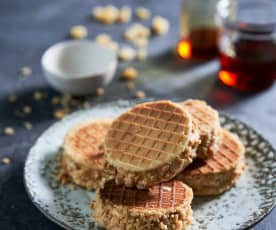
140,94
136,31
103,38
126,54
59,114
12,98
6,161
129,73
9,131
27,109
100,91
108,14
78,32
160,25
140,42
130,85
142,13
25,71
125,14
27,125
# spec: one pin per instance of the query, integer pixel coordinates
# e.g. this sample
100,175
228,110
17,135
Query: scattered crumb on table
9,131
6,161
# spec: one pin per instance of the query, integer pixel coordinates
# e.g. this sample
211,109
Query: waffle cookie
207,120
164,206
150,143
82,159
218,173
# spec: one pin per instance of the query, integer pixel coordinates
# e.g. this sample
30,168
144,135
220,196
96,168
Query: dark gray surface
29,26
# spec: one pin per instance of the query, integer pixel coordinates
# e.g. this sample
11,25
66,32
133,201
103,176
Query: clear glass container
198,30
247,43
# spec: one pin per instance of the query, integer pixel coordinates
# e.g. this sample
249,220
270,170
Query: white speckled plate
241,207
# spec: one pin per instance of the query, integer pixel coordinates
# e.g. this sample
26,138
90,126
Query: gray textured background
28,27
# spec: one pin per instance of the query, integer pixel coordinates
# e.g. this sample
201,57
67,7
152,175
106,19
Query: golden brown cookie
150,143
207,121
82,159
218,173
164,206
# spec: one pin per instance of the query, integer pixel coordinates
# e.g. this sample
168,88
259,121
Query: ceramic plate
248,202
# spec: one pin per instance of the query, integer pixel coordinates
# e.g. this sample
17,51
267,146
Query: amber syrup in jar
200,44
198,30
247,48
252,68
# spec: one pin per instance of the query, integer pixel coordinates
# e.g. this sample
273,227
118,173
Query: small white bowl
78,67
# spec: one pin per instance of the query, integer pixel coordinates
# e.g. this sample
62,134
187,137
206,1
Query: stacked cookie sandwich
150,157
82,159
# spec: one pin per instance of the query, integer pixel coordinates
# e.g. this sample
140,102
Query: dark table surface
28,27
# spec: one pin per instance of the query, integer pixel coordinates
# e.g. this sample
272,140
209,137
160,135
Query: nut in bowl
78,67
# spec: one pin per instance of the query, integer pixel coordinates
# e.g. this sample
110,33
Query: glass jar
198,29
247,43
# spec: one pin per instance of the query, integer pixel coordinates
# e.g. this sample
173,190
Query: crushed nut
25,71
59,114
126,54
103,39
110,15
142,13
124,14
97,13
27,109
6,161
100,91
136,31
140,94
129,73
107,15
130,85
140,42
78,32
38,95
12,98
141,54
27,125
9,131
160,25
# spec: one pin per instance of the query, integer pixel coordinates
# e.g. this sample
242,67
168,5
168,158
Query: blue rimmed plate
248,202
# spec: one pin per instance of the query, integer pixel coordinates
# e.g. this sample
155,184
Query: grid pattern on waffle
206,117
147,136
227,157
163,196
87,139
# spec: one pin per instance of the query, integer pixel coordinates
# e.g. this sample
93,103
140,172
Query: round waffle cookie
207,120
150,143
163,206
218,173
82,159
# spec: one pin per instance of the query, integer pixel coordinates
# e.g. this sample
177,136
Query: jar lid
249,16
